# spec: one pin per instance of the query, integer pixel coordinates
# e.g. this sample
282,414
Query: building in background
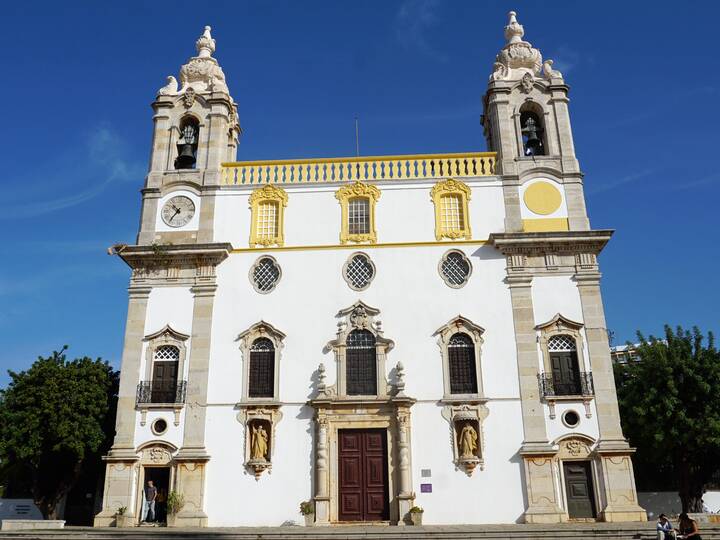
369,333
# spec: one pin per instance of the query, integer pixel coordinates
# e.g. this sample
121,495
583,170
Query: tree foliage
54,417
670,408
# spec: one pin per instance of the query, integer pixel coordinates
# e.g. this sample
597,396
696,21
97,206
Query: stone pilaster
322,464
537,453
121,469
192,456
148,215
620,501
406,497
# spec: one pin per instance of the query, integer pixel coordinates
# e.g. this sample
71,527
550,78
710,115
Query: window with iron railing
148,395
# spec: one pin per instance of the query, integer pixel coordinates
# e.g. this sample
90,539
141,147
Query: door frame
153,454
593,476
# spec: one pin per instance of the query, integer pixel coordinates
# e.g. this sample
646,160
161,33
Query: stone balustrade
411,167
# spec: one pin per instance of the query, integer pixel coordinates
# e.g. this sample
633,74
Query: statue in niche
468,442
259,443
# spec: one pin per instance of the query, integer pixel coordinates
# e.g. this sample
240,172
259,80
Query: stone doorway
579,489
363,478
160,477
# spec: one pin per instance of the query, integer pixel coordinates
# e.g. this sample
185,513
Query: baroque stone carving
170,89
518,57
260,440
527,83
189,98
259,443
203,72
466,422
549,72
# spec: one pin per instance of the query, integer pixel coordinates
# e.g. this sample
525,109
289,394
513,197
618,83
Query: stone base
31,524
190,520
617,516
544,515
405,503
322,510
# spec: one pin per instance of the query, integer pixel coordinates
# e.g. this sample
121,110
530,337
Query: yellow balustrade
303,171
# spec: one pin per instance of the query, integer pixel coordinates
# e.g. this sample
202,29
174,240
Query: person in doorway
688,528
150,496
665,529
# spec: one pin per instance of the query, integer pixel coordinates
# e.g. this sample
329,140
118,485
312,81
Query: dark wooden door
566,374
362,461
579,489
164,382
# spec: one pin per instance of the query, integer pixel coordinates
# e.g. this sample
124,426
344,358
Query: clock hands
177,211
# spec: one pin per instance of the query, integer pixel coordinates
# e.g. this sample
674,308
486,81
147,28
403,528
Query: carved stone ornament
170,89
527,83
202,72
549,72
574,448
518,57
189,98
466,430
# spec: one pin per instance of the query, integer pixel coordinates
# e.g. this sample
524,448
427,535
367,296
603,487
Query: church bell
187,148
533,143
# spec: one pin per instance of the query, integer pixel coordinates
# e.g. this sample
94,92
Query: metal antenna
357,137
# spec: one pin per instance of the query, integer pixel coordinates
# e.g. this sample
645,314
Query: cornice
527,243
140,256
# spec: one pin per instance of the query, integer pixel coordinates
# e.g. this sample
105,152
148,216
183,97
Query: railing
146,394
580,386
300,171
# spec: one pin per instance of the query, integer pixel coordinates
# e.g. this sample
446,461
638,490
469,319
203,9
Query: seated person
688,528
664,528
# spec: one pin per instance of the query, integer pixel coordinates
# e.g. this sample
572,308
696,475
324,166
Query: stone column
613,451
121,470
406,497
193,456
322,495
537,453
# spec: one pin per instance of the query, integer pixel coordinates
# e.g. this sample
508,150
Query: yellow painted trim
275,195
358,190
358,159
542,198
365,246
443,189
545,225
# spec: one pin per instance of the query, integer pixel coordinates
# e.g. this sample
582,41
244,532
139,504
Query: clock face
178,211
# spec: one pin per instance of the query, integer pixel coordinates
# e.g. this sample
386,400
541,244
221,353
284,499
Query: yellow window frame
353,191
451,187
267,194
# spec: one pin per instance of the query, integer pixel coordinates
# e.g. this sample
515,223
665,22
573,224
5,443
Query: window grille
451,213
167,352
359,215
265,274
455,269
267,220
361,364
561,343
359,271
261,382
461,365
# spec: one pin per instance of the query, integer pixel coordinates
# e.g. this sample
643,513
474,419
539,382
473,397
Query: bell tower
526,121
196,128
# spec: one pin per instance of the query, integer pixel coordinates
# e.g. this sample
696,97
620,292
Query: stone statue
468,442
170,89
259,443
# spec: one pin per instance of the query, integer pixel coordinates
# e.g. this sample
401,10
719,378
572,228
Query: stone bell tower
547,236
196,128
527,123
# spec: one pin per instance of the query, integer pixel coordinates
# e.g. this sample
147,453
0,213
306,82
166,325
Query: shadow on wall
518,460
487,253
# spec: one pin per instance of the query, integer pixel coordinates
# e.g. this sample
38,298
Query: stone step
566,531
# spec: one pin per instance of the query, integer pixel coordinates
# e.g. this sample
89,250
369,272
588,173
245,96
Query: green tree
55,418
670,408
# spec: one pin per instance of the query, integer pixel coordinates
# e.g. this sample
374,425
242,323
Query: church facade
368,334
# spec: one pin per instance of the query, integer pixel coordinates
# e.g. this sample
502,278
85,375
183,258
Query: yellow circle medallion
542,198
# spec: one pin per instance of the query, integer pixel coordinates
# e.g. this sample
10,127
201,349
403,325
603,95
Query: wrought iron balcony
582,385
146,394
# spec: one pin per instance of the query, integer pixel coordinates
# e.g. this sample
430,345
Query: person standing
150,496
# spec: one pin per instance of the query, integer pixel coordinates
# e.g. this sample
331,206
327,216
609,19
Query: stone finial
400,384
517,58
205,45
322,386
514,31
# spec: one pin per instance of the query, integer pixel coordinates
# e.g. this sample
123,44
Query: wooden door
164,382
579,489
566,374
362,462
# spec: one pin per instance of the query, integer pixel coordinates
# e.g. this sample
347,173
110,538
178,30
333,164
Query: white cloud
413,22
608,186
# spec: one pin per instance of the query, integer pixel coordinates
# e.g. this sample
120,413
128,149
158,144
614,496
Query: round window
359,271
159,426
455,269
571,419
265,274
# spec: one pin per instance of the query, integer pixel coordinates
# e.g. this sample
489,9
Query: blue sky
80,76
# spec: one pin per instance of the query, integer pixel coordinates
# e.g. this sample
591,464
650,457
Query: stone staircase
566,531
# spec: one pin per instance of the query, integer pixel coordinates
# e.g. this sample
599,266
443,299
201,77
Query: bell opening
187,144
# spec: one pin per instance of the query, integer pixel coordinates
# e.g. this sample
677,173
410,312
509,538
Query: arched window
267,213
361,364
532,130
450,198
187,144
562,350
461,365
261,380
165,374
